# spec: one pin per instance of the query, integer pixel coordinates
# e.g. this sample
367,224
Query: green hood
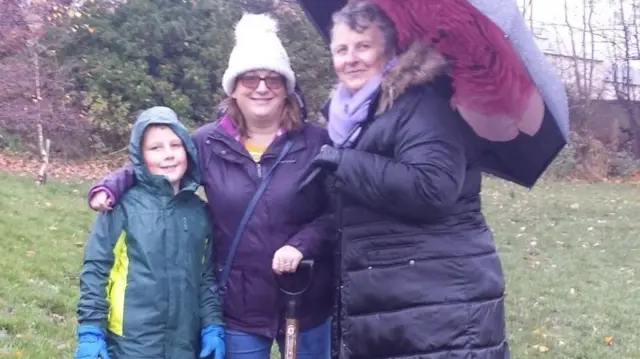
160,115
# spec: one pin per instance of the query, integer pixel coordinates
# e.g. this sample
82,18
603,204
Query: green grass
570,254
42,230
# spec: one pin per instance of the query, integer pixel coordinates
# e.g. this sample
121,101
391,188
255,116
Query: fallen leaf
541,348
56,318
89,169
608,340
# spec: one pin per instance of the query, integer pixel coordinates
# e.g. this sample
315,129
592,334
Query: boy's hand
100,202
212,338
286,260
91,343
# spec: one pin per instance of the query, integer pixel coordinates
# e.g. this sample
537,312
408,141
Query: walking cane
291,320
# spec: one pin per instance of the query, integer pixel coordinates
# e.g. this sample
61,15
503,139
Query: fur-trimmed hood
419,64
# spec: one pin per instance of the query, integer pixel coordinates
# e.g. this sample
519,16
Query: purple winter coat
253,302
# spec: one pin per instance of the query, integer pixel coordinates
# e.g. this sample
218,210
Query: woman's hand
100,202
286,260
328,158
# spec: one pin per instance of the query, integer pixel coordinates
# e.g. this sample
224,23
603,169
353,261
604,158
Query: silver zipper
259,169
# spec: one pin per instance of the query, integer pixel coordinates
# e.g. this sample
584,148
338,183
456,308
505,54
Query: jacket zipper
339,223
259,169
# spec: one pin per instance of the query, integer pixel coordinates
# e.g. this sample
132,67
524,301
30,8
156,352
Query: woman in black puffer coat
419,276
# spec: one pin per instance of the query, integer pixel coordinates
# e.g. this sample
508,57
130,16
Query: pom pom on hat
257,47
255,25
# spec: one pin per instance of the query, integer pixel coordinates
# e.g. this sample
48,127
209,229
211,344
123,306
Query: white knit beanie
257,47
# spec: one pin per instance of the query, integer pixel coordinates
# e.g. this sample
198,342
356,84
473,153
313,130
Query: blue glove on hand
91,343
212,338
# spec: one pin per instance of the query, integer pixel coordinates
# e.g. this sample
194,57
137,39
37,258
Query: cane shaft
291,339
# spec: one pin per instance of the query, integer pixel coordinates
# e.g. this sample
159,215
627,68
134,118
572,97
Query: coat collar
419,65
232,141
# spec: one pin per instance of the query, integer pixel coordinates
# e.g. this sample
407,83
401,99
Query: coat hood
160,115
419,65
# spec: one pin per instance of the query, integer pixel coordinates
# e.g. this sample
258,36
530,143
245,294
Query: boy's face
164,154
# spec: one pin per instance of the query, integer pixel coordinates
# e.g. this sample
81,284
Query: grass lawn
570,253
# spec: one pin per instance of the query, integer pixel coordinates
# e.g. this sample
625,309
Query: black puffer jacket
419,276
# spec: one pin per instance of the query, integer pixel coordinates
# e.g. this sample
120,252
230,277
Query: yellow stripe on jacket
117,286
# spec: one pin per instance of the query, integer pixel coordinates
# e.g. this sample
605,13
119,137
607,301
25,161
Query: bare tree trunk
45,147
527,12
634,122
43,144
589,26
583,61
574,50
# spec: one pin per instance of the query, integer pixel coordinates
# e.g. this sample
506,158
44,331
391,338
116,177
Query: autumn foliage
31,81
85,72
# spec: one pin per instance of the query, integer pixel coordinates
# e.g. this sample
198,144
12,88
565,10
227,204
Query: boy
147,279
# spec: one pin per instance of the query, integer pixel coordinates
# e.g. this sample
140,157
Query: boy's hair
156,125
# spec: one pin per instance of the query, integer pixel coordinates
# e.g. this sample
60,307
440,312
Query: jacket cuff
91,328
297,243
214,329
212,321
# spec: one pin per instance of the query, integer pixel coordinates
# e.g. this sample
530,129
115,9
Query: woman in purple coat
261,123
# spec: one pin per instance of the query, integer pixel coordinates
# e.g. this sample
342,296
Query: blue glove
91,343
212,338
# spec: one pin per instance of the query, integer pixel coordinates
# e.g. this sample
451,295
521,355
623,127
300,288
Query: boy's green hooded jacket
147,276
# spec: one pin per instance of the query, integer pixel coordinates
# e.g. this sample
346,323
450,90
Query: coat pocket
385,250
260,294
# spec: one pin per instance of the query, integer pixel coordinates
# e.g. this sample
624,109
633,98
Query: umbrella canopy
504,87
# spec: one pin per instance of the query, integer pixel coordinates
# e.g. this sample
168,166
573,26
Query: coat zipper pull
184,222
259,169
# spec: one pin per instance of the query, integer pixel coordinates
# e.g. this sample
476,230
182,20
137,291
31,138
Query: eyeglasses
253,81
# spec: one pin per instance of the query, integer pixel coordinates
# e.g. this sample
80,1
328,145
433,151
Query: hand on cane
286,260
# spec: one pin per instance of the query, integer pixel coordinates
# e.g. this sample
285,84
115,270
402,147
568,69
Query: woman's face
357,57
260,94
